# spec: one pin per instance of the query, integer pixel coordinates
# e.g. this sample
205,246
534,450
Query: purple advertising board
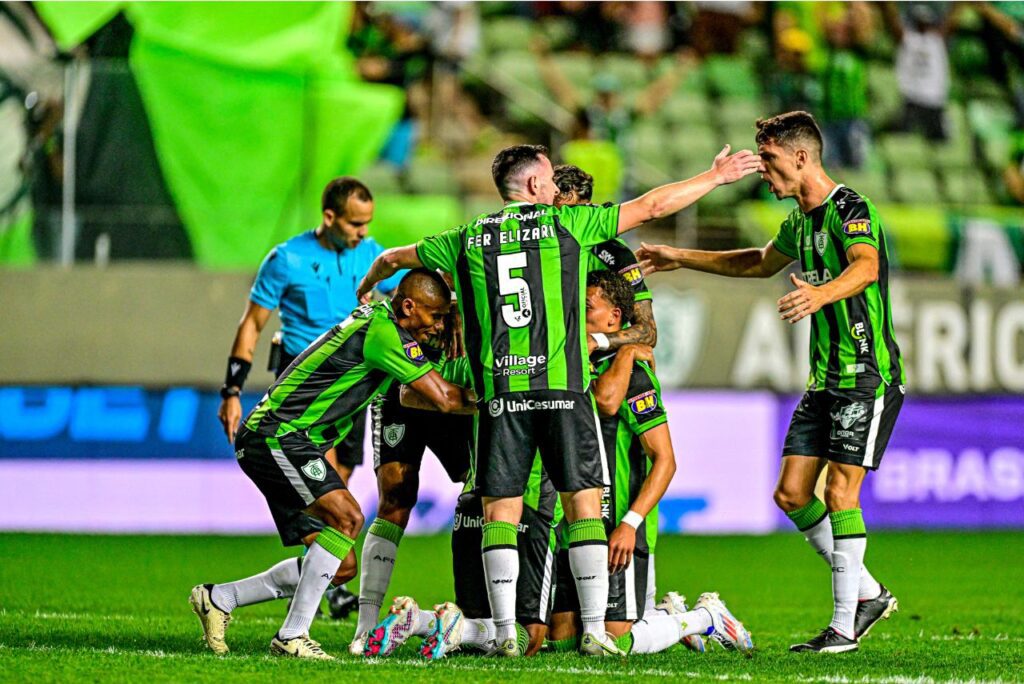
951,463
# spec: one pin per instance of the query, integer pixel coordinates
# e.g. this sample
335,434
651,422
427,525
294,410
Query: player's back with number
521,276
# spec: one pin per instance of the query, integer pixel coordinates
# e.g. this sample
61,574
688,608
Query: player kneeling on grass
638,449
282,443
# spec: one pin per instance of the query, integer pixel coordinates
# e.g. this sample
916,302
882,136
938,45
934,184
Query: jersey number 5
519,315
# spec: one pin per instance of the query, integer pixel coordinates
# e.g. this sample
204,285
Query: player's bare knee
789,499
838,497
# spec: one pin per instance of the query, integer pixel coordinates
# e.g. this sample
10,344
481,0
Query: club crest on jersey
413,351
632,274
857,227
820,242
315,470
848,415
644,403
393,434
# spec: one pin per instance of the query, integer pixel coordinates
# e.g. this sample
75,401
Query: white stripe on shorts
630,574
876,419
605,477
652,589
377,426
545,586
293,476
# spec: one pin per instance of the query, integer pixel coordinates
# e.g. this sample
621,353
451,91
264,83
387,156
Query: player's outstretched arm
657,442
736,263
242,349
643,330
433,393
388,263
806,299
610,387
668,199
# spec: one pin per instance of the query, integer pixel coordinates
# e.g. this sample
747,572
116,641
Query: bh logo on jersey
848,415
315,470
413,351
857,227
644,403
632,274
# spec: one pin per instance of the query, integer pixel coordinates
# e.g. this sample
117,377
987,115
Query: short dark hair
338,191
616,289
571,178
511,161
789,128
423,281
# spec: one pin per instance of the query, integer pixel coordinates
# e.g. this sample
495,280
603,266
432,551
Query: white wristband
633,519
602,340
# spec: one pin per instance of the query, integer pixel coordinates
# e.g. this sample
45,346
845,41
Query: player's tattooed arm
643,330
610,387
459,400
388,263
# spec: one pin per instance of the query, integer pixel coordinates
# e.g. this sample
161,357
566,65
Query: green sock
570,645
499,534
587,530
808,516
625,642
336,543
848,523
385,529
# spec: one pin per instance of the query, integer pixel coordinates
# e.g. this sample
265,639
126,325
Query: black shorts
291,472
536,542
401,434
561,425
350,451
627,590
847,426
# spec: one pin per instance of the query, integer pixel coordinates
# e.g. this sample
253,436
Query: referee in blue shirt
312,279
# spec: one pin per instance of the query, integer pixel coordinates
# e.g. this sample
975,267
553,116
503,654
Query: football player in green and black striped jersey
576,186
856,385
638,447
282,444
520,274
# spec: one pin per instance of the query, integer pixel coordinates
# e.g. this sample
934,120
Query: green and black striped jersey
615,255
642,410
338,375
521,279
852,341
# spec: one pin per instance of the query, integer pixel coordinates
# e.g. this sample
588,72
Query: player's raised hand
641,352
805,300
729,168
230,415
654,258
621,544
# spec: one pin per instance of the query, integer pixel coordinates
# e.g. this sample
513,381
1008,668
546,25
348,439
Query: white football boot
298,647
214,620
727,630
395,629
674,603
447,633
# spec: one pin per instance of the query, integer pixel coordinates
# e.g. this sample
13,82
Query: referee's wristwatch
227,392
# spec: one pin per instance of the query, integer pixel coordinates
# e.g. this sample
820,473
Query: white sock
318,569
380,550
696,621
424,623
847,558
589,565
820,538
277,582
501,570
655,633
478,633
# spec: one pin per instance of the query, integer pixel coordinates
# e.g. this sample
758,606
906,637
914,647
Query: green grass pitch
103,608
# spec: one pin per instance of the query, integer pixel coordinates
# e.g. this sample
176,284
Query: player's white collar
834,191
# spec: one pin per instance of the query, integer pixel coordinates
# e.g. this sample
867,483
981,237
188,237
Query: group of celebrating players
538,392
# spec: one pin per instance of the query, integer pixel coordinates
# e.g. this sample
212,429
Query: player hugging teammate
572,451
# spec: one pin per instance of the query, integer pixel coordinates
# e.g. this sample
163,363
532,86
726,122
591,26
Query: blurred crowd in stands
920,102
